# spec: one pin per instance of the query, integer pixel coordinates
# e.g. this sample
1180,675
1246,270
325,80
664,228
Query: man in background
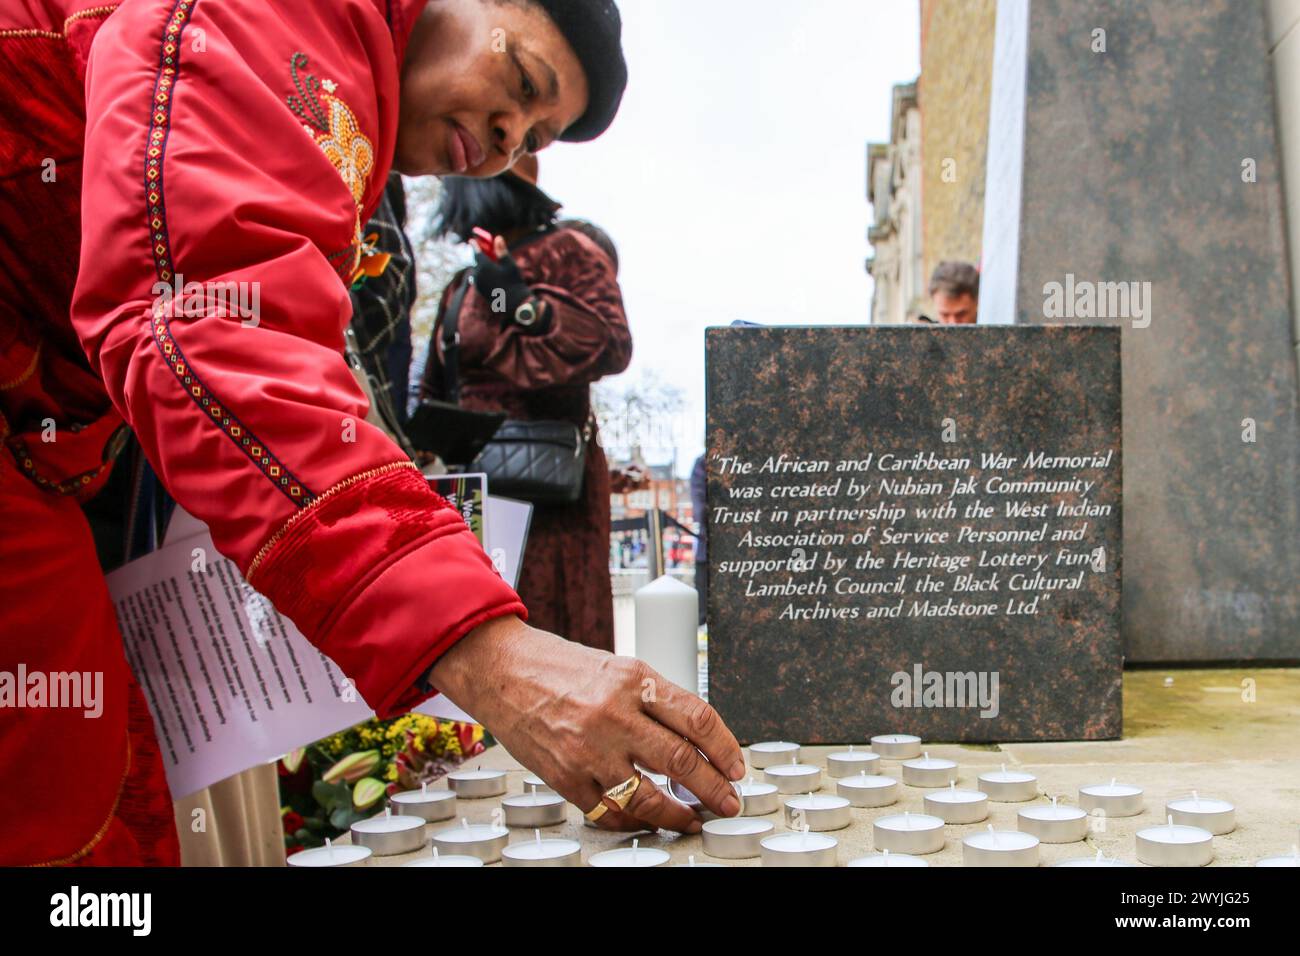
955,293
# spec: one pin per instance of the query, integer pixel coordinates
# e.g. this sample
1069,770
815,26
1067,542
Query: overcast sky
733,179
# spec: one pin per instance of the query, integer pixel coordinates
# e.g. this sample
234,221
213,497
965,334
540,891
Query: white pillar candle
958,806
734,838
885,858
440,859
929,771
1000,848
533,809
799,849
845,763
1292,860
431,805
483,840
387,835
634,855
667,630
820,812
535,784
768,752
478,783
758,798
896,746
1173,845
1112,799
553,851
1097,860
1008,786
868,790
794,777
1217,816
331,855
1054,824
916,833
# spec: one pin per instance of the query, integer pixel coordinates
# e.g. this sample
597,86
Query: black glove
507,295
501,285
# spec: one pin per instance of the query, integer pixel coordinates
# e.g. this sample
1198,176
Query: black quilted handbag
538,461
541,461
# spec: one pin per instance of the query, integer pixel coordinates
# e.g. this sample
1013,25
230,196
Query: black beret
594,30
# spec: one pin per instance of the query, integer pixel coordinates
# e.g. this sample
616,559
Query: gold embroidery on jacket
333,126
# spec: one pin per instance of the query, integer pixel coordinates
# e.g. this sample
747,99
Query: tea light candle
799,849
483,840
446,859
1000,848
634,855
897,746
1112,799
1217,816
1009,786
429,805
929,771
916,833
868,790
535,784
1292,860
768,752
475,784
885,858
553,851
387,835
734,838
794,777
848,762
1097,860
533,809
758,799
1174,845
679,793
958,806
331,855
819,812
1053,824
693,863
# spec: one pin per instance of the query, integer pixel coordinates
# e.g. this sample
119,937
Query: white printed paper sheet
230,682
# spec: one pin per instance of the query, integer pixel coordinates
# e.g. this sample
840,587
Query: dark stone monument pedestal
1134,145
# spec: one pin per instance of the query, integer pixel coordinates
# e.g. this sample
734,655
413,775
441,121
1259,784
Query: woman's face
484,81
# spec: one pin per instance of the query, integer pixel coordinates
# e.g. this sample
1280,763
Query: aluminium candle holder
430,805
1171,844
868,790
735,838
389,835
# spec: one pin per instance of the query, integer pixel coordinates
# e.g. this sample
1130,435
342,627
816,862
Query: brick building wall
956,76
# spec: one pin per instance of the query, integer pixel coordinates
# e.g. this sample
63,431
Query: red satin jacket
227,151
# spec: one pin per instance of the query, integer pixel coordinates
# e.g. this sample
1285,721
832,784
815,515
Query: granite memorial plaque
915,529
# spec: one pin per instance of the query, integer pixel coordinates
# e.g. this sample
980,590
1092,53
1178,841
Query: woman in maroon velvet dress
559,326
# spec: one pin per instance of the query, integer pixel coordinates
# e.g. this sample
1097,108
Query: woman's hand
579,718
